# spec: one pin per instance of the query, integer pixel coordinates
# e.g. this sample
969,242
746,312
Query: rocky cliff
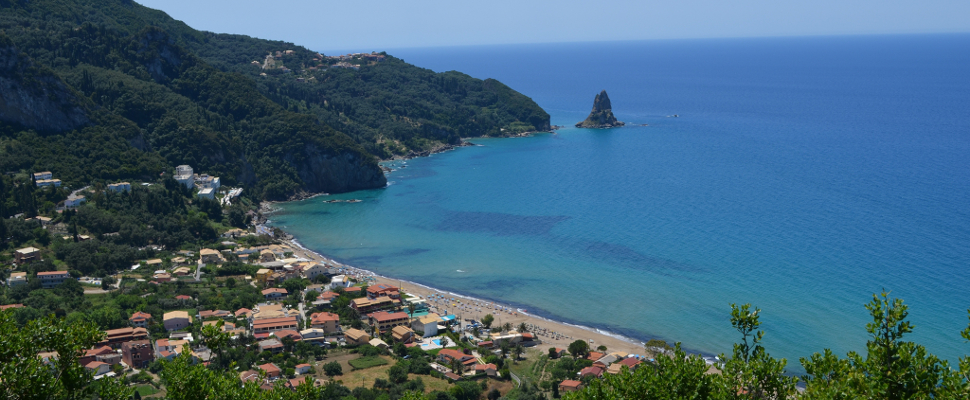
342,172
602,114
32,96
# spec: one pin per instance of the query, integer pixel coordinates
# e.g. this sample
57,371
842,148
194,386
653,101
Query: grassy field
145,390
368,362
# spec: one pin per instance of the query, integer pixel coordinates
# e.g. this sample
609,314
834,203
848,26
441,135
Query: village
300,318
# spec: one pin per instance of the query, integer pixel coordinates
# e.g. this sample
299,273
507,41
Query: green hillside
139,92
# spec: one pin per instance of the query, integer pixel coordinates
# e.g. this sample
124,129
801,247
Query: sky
368,25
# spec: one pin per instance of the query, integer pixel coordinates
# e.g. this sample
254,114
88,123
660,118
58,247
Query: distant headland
602,114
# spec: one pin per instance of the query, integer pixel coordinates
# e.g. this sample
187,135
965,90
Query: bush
333,369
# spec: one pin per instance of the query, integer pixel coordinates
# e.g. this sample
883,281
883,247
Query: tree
332,369
517,352
892,368
579,349
444,342
523,328
553,354
411,308
29,375
397,374
751,369
506,327
230,283
487,320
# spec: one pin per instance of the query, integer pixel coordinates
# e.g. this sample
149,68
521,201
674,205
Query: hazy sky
366,25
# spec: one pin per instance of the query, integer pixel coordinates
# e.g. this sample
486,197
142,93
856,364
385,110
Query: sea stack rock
602,114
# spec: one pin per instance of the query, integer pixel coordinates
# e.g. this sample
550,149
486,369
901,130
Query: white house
73,201
43,175
427,324
16,279
120,187
184,175
208,193
341,281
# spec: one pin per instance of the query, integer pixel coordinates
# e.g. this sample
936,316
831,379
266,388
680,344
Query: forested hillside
135,93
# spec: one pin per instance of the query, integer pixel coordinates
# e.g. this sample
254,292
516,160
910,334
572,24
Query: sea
801,175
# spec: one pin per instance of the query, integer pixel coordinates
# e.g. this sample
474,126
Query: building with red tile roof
570,386
140,319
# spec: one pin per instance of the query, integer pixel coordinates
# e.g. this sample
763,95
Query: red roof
183,297
383,316
289,333
353,289
11,306
52,273
274,290
140,316
328,295
594,370
593,356
243,311
570,383
261,335
269,368
323,317
630,362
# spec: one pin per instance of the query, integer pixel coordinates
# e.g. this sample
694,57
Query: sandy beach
551,333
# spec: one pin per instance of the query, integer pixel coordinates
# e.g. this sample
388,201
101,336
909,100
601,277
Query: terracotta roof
52,273
571,383
243,311
323,317
269,367
139,316
274,290
383,316
629,362
288,333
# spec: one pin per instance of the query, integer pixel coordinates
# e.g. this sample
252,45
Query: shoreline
556,333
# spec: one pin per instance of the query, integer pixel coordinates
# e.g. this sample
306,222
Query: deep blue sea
801,175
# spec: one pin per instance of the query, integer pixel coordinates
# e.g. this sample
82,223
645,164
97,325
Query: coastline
551,332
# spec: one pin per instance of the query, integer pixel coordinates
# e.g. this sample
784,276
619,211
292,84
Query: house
355,291
570,386
243,313
427,324
17,279
176,320
207,182
263,276
271,345
288,333
595,371
274,293
326,321
183,297
43,175
467,361
207,193
211,256
51,279
272,371
9,306
384,321
487,369
154,263
267,255
139,319
98,367
73,201
559,352
214,314
302,368
138,353
339,281
265,311
93,354
594,356
48,182
381,289
452,376
270,325
402,334
328,296
314,335
314,270
184,175
26,255
119,187
162,277
182,271
356,337
631,363
378,343
364,305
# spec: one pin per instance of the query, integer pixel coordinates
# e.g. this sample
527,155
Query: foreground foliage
892,368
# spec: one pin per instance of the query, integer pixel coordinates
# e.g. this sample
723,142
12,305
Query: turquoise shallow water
802,175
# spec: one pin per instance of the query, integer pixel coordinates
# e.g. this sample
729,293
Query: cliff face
342,172
602,114
33,96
